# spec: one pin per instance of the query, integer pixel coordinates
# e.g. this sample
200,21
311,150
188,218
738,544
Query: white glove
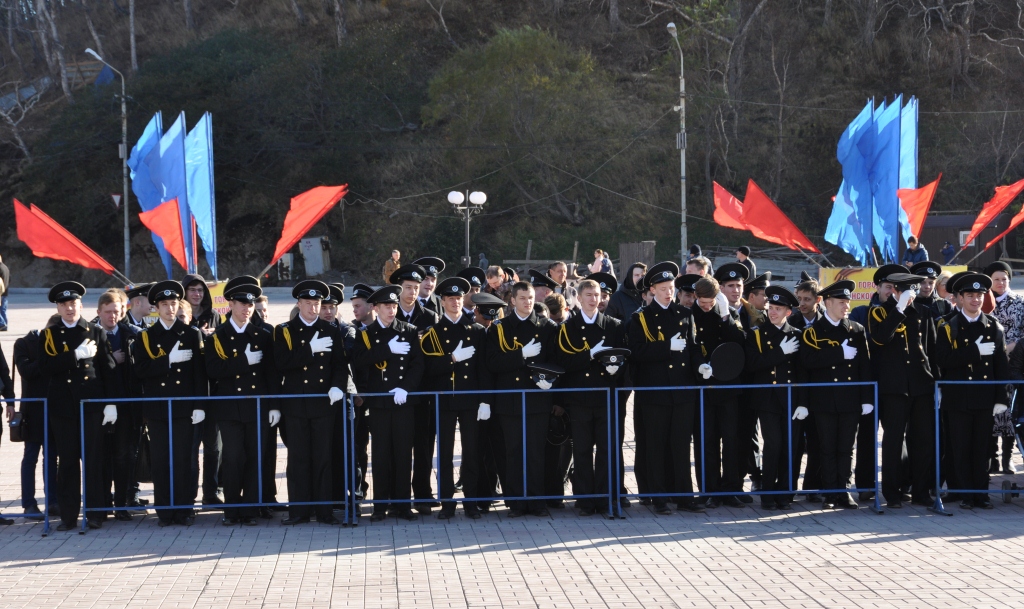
178,355
848,351
335,394
531,349
320,345
611,369
597,349
800,413
678,342
789,345
904,300
866,409
985,348
723,304
275,417
397,346
254,357
86,350
544,384
400,395
110,414
484,412
461,353
198,416
997,410
705,371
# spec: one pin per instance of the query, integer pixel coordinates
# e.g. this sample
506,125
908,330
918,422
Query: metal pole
467,228
124,176
681,144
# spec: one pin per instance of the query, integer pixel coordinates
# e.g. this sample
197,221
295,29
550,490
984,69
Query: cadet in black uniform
772,358
387,359
513,344
928,299
582,341
329,313
453,361
971,346
491,442
138,298
242,363
77,358
834,349
309,353
902,340
427,297
809,310
412,312
363,312
168,357
664,351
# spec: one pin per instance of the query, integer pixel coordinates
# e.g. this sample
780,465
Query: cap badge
846,292
455,289
666,275
603,284
433,269
613,359
392,296
732,273
312,292
416,276
248,296
67,292
977,285
775,297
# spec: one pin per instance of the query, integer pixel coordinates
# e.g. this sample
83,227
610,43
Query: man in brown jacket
391,265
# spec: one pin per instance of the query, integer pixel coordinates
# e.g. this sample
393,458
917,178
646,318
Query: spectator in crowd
601,263
556,307
947,251
941,288
482,262
915,252
391,265
694,252
5,283
628,297
743,257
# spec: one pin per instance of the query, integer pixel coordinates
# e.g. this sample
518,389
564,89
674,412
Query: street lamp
124,163
681,141
474,206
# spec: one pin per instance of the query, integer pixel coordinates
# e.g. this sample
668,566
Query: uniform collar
589,320
829,319
164,326
453,321
308,324
237,329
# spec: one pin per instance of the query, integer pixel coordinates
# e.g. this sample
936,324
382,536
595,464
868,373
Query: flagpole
809,258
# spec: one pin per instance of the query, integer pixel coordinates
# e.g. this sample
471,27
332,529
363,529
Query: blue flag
849,226
167,169
199,180
142,182
884,174
908,157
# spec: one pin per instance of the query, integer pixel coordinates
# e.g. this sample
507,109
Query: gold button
321,367
304,368
86,366
177,382
517,378
670,365
69,380
254,386
321,380
774,383
239,388
465,377
161,384
588,374
305,381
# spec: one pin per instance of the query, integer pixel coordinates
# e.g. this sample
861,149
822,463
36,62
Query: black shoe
291,520
446,514
63,526
663,510
1008,469
768,504
266,513
228,522
983,504
94,524
185,520
406,514
33,513
328,520
556,504
966,504
625,503
828,503
587,511
3,328
214,500
713,502
784,505
894,505
515,513
745,498
541,512
473,513
123,516
993,466
865,496
484,507
845,500
162,522
378,516
731,501
247,522
926,501
692,506
814,498
646,501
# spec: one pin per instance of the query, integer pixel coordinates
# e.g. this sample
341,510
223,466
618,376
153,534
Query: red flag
48,239
1014,223
763,218
916,202
1004,195
728,209
306,210
165,222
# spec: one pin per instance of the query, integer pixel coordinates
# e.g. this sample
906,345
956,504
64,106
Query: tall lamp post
681,142
474,204
124,163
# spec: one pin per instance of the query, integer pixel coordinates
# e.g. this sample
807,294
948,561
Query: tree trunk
12,16
131,35
299,15
339,21
613,16
58,48
43,38
92,30
190,21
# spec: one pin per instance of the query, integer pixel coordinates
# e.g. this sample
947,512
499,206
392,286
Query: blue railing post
789,452
524,504
703,447
46,466
81,431
437,451
613,453
618,461
938,508
877,461
259,451
170,447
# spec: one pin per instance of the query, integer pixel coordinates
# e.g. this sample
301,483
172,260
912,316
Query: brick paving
725,558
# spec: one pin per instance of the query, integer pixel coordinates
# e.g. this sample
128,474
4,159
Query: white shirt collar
166,327
382,323
454,321
661,305
830,320
138,322
237,329
67,325
971,319
309,324
113,332
520,318
1003,297
589,320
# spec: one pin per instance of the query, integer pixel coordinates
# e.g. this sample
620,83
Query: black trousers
621,442
721,443
469,468
269,472
240,466
160,463
806,432
338,444
590,452
536,441
491,450
639,446
837,433
67,437
970,432
668,430
127,435
747,444
776,474
206,434
309,465
557,461
392,429
423,450
867,458
362,439
914,419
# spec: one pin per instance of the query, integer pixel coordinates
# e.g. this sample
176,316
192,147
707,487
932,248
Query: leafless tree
54,46
300,16
92,29
190,20
340,29
439,9
13,117
131,35
781,82
614,22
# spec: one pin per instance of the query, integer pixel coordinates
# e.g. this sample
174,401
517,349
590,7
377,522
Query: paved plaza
724,558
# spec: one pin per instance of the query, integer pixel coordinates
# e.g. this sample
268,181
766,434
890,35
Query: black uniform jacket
442,373
160,378
378,370
902,345
934,306
574,341
422,318
227,364
713,331
821,355
768,365
305,372
797,319
957,355
654,363
28,352
504,357
71,379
